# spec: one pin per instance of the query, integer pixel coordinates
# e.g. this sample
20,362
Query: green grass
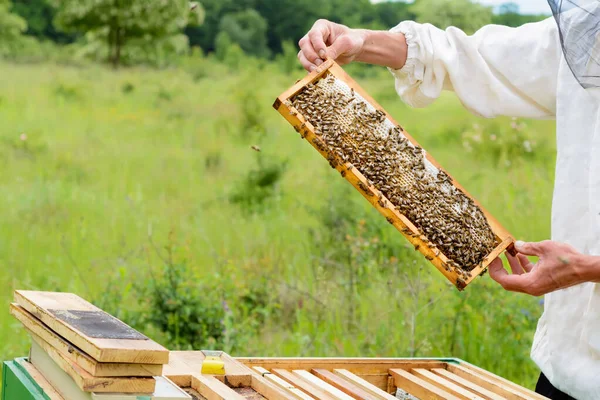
106,177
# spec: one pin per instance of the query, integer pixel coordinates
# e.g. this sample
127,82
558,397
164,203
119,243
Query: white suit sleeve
497,71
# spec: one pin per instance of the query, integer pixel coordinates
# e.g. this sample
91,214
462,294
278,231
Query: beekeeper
549,69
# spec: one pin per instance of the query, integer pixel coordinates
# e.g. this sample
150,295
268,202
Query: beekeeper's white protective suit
522,72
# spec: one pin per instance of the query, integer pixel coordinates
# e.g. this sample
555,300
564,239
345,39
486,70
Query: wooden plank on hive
74,354
302,384
39,379
288,387
489,383
468,384
513,385
366,386
355,177
342,384
445,384
358,366
270,390
100,335
214,389
183,364
418,387
326,387
89,383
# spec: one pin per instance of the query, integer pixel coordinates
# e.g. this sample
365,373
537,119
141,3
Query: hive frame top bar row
458,278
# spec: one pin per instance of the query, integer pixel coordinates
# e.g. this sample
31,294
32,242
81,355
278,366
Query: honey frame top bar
459,278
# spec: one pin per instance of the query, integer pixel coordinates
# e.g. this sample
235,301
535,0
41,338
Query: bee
255,148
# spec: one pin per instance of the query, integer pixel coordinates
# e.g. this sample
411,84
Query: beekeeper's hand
559,266
328,40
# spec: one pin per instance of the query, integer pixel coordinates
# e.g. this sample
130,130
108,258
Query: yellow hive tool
212,364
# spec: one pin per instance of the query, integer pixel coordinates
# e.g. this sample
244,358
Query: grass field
139,190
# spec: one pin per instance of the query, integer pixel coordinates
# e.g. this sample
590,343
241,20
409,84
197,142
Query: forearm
383,48
588,268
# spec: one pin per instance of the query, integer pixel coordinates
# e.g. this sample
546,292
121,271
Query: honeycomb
353,131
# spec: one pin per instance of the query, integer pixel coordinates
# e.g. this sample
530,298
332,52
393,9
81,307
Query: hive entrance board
389,168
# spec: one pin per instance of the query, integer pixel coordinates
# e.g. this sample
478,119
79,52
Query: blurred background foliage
139,189
154,31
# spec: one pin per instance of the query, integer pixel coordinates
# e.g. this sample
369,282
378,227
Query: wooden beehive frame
404,225
364,378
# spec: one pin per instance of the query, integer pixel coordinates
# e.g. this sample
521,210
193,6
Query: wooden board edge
306,387
213,389
418,387
89,383
293,391
446,385
270,390
321,384
490,382
505,381
338,382
467,384
379,393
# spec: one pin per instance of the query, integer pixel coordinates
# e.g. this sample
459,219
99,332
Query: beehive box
396,175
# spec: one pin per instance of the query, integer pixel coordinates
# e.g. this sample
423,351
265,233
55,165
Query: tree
39,15
11,28
291,19
509,15
391,13
463,14
248,29
206,34
121,21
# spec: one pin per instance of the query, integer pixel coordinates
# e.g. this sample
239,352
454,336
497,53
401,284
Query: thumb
341,45
529,248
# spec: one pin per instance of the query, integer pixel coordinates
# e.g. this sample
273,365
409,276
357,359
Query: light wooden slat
213,389
89,383
307,376
39,304
342,384
445,384
294,391
375,391
468,384
269,390
527,392
359,366
418,387
39,379
303,385
490,383
74,354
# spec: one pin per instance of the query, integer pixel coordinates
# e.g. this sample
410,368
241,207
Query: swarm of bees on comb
352,131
